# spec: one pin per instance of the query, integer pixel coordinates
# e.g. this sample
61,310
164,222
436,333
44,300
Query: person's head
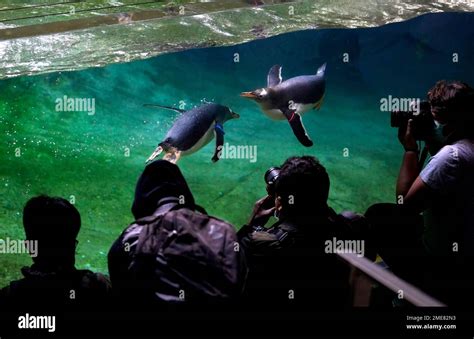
452,107
302,188
159,181
54,223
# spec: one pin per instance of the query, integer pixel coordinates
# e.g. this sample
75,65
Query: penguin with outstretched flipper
291,98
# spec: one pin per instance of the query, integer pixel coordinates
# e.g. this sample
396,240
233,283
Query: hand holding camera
265,207
406,136
422,121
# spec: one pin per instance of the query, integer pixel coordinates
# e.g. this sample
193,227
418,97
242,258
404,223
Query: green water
95,160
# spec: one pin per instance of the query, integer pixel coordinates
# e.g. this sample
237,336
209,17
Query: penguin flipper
274,76
297,126
165,107
219,131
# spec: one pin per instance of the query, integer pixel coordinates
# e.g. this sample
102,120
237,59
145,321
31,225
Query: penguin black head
263,96
231,115
227,114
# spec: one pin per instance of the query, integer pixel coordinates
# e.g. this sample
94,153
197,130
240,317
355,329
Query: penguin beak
235,115
250,95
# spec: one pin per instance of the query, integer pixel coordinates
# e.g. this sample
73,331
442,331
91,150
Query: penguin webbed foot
172,157
155,153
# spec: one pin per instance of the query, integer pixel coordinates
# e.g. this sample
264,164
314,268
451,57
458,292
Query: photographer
430,250
288,263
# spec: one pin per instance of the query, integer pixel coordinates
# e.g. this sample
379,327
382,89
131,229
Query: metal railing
386,278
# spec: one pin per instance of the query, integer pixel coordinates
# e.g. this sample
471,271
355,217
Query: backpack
186,257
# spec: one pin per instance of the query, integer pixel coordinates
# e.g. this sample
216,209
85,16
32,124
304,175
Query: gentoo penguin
193,130
291,98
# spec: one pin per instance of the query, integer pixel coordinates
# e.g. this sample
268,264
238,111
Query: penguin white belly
276,114
205,139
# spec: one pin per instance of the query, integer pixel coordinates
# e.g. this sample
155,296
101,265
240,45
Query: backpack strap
165,205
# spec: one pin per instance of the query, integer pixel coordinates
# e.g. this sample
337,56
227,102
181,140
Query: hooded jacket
171,247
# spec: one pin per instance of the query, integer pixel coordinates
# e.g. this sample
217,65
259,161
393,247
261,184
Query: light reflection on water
146,32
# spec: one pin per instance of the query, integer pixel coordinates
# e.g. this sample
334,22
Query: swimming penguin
193,130
291,98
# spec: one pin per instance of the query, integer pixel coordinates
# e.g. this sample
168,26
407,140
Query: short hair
54,222
303,185
453,101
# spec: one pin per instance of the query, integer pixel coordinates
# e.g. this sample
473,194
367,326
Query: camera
422,119
270,177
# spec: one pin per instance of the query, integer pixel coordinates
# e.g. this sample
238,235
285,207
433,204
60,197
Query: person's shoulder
101,279
216,219
4,293
15,290
190,216
131,233
465,143
444,170
447,152
465,149
459,153
447,157
12,295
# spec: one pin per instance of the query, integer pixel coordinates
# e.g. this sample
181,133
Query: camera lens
271,175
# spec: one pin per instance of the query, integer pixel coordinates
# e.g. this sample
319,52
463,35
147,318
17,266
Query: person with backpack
293,263
174,254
